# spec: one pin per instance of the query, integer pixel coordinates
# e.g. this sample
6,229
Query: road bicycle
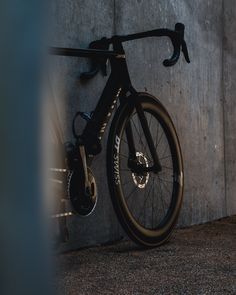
144,161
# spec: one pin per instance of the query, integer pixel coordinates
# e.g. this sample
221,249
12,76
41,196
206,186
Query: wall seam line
114,17
223,108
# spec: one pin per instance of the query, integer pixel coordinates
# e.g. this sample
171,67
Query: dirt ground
198,260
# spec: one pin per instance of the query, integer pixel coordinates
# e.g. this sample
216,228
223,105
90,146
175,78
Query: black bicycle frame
119,81
118,85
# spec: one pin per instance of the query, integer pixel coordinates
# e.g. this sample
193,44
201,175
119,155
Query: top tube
93,53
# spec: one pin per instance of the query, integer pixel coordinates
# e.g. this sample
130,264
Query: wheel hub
141,180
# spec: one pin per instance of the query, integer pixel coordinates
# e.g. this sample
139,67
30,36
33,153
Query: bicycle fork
132,162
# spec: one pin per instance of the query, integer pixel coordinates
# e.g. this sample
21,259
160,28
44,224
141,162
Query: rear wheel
147,204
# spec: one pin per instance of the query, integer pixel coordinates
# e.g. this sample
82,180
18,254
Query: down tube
104,109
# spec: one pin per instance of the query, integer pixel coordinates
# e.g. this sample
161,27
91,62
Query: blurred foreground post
23,248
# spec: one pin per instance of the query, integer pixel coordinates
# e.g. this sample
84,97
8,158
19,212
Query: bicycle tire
142,234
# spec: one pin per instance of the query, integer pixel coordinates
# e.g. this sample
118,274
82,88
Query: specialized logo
116,160
103,128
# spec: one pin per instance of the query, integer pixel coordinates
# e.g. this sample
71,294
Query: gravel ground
198,260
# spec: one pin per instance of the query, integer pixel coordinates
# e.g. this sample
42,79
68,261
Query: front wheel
147,203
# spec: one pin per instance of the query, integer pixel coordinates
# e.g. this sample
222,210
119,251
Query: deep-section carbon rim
147,204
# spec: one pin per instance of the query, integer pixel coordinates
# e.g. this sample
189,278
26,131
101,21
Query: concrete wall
199,96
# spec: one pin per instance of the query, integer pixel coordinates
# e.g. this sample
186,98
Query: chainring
82,202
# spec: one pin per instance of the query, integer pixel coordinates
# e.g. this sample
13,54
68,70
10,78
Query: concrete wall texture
199,97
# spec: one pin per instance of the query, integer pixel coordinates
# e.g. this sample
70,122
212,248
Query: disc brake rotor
141,180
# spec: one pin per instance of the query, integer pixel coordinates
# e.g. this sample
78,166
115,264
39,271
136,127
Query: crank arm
84,170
